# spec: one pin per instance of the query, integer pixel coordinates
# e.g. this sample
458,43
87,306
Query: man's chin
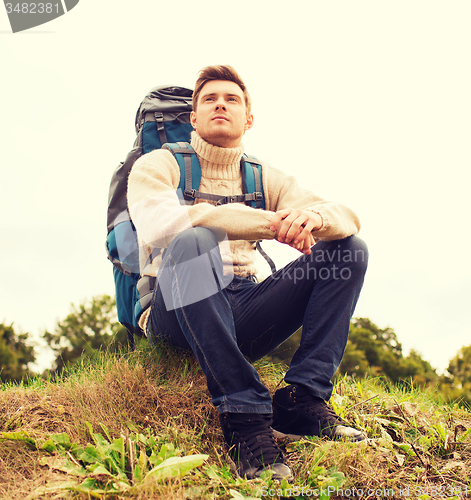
222,139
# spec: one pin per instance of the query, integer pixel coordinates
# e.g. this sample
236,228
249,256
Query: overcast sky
367,103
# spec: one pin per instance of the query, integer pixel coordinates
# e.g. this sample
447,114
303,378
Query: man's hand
293,227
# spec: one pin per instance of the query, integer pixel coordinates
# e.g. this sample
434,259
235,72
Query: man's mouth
219,117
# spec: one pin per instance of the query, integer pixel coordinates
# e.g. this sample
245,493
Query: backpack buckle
258,196
191,193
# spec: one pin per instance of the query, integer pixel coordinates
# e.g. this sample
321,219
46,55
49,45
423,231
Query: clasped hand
293,227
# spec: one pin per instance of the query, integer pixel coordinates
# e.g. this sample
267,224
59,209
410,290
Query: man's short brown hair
220,72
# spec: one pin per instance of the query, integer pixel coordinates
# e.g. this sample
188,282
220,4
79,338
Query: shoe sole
297,437
274,477
281,435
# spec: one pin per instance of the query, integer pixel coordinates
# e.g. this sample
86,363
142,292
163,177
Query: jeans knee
196,234
349,253
358,253
192,243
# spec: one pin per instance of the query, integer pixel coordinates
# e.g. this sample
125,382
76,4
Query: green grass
140,425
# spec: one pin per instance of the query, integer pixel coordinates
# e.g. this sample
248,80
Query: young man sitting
208,299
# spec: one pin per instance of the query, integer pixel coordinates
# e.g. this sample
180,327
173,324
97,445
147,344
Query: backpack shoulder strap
251,169
190,172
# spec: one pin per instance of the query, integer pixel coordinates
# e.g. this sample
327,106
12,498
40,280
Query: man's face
221,115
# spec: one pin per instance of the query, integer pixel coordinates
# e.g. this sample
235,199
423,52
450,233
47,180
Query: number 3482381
33,8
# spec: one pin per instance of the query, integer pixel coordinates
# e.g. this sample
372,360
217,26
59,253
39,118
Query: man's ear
248,123
193,119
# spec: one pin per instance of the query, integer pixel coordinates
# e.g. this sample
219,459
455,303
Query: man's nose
220,105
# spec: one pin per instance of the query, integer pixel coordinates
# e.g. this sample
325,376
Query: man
208,299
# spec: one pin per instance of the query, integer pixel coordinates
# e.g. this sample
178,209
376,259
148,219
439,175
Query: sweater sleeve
158,215
284,192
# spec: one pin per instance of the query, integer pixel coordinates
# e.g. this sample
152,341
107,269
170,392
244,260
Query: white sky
366,102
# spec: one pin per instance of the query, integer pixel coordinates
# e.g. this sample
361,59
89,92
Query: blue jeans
229,326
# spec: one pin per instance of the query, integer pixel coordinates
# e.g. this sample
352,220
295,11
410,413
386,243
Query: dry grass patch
164,392
416,444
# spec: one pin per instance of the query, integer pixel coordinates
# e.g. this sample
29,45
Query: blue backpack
162,121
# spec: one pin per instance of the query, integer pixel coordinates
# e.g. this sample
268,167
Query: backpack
162,121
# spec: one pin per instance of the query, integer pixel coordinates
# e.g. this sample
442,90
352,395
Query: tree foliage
377,352
16,352
456,382
459,367
93,325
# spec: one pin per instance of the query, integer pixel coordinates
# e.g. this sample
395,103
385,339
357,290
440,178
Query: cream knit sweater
158,214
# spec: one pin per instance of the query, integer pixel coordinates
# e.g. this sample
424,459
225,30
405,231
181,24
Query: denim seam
152,303
191,331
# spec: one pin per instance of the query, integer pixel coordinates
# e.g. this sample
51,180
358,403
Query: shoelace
319,409
260,441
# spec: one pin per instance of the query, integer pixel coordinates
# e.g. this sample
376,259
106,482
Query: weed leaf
19,436
48,446
90,455
175,467
238,496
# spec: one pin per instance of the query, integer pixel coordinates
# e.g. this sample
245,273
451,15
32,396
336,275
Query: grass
140,425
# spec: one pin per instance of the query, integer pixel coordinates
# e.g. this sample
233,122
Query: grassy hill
140,425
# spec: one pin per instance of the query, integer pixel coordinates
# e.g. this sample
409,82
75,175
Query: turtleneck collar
217,162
